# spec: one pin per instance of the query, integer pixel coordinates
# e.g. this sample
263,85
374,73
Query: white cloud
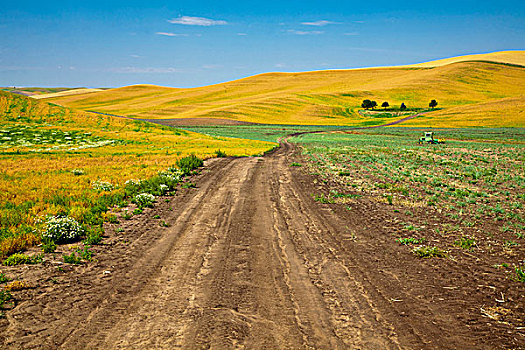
170,34
211,66
134,56
352,33
242,34
302,32
197,21
135,70
320,23
280,65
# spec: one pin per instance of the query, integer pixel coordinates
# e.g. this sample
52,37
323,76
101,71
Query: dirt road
251,261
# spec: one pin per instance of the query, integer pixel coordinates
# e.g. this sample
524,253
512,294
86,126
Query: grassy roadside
55,161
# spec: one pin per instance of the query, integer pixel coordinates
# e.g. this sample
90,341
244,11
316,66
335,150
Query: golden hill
65,93
330,97
509,57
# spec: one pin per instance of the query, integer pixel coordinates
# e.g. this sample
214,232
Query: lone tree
385,105
403,107
367,104
433,104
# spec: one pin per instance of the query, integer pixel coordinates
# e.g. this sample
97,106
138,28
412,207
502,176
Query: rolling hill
470,90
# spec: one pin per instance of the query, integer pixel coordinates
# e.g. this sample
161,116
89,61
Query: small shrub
137,211
127,216
156,216
189,163
164,224
296,164
220,154
389,198
77,172
61,229
144,200
188,185
429,252
344,173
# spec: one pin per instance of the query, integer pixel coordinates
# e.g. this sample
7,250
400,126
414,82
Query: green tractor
429,138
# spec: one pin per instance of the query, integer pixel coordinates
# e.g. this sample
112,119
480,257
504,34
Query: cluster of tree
367,104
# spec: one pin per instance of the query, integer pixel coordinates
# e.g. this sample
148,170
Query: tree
385,105
366,104
374,104
433,104
403,107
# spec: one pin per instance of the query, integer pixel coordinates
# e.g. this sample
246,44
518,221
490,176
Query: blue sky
185,44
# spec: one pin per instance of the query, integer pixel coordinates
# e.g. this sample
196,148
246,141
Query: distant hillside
331,97
509,57
69,92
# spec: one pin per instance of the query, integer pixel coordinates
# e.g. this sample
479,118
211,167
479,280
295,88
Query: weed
85,253
465,243
164,224
137,211
143,200
119,230
20,259
389,199
520,272
72,259
410,240
4,296
323,199
48,246
3,278
296,164
220,154
17,285
189,163
344,173
62,229
429,252
157,216
188,185
93,238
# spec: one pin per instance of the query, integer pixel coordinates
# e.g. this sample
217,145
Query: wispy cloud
141,70
197,21
352,33
320,23
242,34
170,34
305,32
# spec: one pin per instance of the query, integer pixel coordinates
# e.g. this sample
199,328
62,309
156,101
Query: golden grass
318,98
29,175
65,93
511,57
505,112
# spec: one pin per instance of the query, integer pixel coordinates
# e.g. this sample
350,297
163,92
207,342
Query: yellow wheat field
324,97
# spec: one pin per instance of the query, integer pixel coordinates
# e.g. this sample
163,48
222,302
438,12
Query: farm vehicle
429,138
